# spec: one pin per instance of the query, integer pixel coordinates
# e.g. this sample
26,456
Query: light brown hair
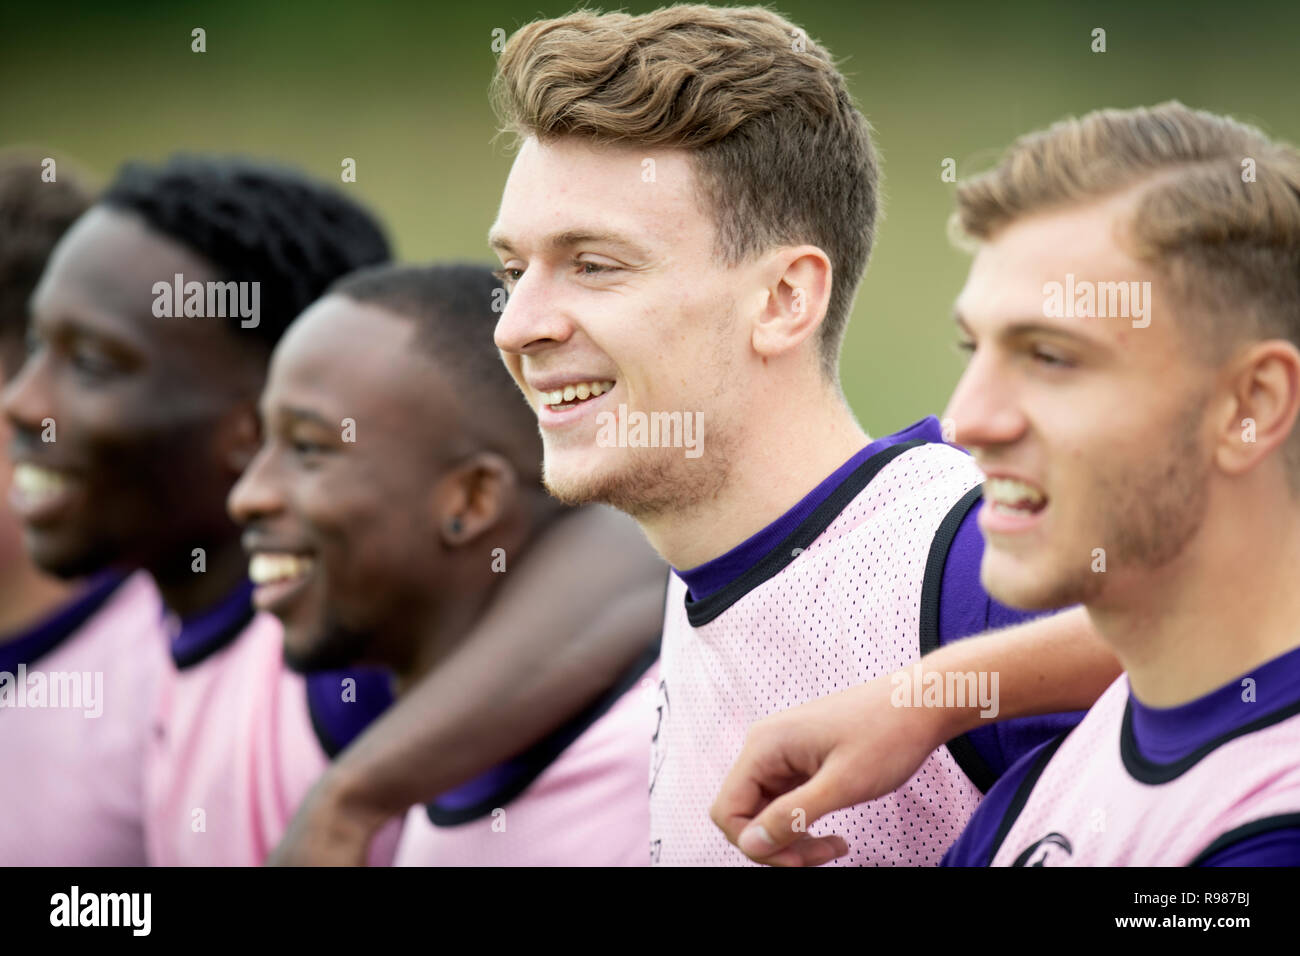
1218,215
781,154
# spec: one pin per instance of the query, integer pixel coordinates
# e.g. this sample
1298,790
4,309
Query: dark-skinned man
384,548
72,725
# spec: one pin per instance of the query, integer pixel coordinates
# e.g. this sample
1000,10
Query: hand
327,830
830,753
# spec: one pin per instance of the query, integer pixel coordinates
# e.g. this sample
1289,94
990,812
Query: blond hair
1217,215
781,154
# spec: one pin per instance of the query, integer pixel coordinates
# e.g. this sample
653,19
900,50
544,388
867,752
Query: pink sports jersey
231,755
72,792
845,609
587,808
1086,809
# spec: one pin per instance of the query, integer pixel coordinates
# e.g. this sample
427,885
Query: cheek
115,423
359,529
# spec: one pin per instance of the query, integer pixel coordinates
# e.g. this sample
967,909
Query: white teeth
579,391
268,568
1010,494
37,482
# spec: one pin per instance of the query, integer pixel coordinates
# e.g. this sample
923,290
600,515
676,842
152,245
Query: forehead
115,255
1057,251
343,358
570,185
102,274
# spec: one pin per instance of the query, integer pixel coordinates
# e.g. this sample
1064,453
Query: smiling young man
410,525
1158,465
72,723
682,233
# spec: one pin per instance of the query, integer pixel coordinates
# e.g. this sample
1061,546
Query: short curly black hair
454,307
255,222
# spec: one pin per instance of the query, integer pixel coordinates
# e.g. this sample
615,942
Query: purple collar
1170,735
198,637
338,718
712,576
62,623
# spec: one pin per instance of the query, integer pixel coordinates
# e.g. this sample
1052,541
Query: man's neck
187,591
26,596
774,467
1228,604
468,588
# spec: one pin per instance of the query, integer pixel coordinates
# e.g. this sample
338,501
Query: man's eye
965,346
508,277
304,447
1051,359
92,363
594,268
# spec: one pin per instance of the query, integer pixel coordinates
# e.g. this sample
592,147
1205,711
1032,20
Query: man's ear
473,497
799,292
240,436
1261,405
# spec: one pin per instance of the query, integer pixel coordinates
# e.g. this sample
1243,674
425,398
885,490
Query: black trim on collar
1284,821
701,612
963,751
1148,771
1026,787
541,755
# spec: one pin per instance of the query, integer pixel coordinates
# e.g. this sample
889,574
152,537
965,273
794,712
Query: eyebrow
75,324
304,414
1023,327
570,238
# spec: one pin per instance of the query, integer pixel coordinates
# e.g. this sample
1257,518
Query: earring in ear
455,526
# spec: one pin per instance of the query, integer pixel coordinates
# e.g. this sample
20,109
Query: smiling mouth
1012,497
277,578
275,568
40,494
573,395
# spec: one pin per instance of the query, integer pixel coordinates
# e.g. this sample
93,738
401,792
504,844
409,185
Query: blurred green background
401,87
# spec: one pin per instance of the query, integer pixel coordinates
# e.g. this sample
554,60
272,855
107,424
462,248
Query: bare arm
582,604
857,745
